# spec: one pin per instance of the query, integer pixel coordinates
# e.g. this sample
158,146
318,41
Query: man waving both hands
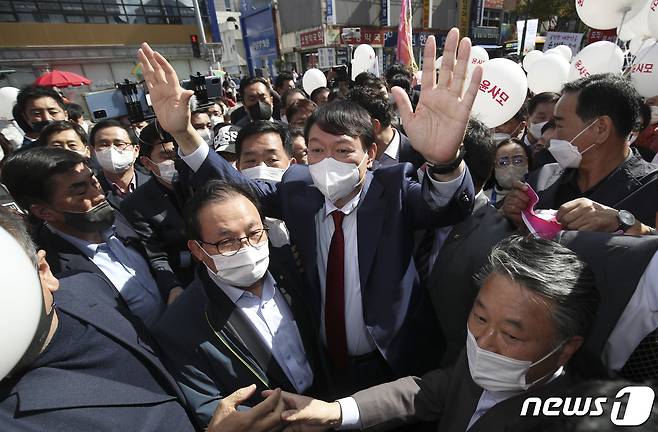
354,228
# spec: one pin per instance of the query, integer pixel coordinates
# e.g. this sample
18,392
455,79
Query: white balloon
565,51
636,44
437,63
644,71
607,14
313,78
638,25
7,101
652,19
531,57
502,92
478,56
21,302
548,74
596,58
365,51
359,65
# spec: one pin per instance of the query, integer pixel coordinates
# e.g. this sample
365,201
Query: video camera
131,99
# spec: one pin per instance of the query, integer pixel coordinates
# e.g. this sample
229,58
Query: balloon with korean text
596,58
643,71
501,93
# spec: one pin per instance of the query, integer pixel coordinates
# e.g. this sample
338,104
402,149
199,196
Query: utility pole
202,33
525,30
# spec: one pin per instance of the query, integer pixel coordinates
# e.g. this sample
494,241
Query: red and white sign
312,38
370,36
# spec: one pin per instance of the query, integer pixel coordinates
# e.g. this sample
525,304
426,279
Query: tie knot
338,218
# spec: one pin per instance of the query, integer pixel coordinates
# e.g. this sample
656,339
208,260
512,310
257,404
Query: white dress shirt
391,155
640,317
272,319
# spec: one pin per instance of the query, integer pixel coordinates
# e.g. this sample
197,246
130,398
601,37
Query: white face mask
263,172
654,114
500,137
534,129
278,232
215,120
167,171
206,134
505,177
243,269
495,372
335,179
114,160
566,154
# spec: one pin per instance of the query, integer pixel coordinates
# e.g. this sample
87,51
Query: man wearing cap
224,143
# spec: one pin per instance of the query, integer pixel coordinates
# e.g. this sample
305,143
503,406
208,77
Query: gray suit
449,396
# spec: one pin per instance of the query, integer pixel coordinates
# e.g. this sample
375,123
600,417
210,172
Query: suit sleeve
407,400
154,247
215,167
427,206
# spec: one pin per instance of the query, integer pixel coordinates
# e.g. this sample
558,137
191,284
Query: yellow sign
464,17
427,13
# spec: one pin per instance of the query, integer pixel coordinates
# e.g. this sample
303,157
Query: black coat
111,196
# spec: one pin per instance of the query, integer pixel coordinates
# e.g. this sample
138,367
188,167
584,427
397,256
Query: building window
491,17
102,11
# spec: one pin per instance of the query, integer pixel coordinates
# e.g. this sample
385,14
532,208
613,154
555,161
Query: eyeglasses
515,160
117,144
230,247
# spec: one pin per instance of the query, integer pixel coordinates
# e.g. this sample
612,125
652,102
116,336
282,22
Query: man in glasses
155,210
116,150
240,322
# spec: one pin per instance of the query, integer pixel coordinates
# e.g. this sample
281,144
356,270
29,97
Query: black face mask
97,219
39,126
260,111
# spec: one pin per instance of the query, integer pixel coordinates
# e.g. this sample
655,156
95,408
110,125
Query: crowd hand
583,214
436,129
170,101
305,414
516,201
173,294
264,417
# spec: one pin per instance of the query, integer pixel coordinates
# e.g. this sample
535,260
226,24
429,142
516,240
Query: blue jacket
61,397
396,310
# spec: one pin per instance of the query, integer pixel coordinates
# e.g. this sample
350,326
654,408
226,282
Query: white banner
572,40
326,58
530,35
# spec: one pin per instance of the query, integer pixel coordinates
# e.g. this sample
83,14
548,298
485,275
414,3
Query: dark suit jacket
238,114
449,396
618,262
63,257
408,154
213,350
61,397
155,214
111,196
633,186
451,284
388,213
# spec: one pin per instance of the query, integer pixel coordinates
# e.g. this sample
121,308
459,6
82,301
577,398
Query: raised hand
264,417
436,129
170,101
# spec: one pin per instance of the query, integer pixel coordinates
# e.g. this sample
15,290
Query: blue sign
418,39
259,40
214,25
384,18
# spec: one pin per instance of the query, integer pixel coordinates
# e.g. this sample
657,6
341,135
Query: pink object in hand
541,223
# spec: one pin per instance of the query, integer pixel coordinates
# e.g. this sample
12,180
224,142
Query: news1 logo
637,407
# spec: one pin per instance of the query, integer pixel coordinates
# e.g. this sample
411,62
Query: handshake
280,411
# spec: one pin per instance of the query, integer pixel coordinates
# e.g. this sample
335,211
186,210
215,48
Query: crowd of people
369,256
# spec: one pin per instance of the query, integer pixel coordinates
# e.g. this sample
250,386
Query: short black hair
17,227
316,93
150,137
374,102
28,174
541,98
17,114
214,191
292,91
400,81
32,92
364,78
341,117
295,132
61,126
281,78
526,149
606,95
261,127
480,151
248,81
108,124
398,69
75,111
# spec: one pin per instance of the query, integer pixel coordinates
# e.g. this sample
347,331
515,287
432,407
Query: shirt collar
235,293
393,148
352,204
131,187
84,246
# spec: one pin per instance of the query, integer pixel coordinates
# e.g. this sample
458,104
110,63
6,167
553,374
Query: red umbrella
61,79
